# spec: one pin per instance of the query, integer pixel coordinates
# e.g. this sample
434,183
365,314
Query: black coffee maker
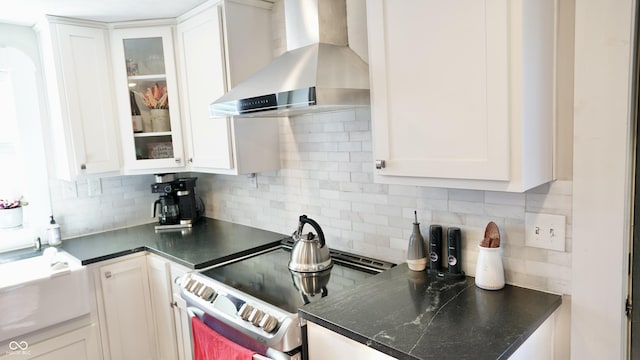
179,205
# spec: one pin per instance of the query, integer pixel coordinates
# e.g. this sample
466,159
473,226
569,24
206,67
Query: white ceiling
28,12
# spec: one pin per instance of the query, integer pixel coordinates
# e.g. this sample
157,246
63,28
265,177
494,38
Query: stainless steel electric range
254,301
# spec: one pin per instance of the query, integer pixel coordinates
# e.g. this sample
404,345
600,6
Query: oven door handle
260,357
194,311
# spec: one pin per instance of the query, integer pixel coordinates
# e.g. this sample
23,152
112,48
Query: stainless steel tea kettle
309,253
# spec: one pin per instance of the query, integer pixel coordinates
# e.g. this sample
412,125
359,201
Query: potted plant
11,213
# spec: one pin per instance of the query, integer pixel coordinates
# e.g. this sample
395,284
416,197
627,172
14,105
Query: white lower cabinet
79,344
173,324
161,302
139,318
326,344
181,315
125,310
540,345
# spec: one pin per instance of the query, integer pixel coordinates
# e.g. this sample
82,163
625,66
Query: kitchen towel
209,345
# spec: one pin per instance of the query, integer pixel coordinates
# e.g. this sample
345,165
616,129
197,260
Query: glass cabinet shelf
149,134
151,77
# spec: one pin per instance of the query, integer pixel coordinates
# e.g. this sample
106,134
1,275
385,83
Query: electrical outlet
69,190
545,231
94,186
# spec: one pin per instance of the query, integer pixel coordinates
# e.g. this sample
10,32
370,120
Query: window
11,158
22,157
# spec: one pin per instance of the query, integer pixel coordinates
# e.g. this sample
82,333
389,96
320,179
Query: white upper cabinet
463,92
82,120
144,64
221,44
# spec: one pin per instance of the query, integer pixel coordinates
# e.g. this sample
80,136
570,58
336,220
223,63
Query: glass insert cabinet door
147,96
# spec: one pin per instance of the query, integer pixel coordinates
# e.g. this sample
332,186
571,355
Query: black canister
455,250
435,248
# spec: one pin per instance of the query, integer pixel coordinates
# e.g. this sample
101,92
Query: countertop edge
177,260
88,249
114,255
530,330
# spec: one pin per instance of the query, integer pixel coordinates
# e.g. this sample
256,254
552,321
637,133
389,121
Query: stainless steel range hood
319,72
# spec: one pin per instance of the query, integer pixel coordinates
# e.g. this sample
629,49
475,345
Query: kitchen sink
41,291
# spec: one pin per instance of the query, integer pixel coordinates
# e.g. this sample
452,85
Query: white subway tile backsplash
504,198
504,211
327,173
125,201
375,219
338,156
433,193
536,202
466,207
370,188
433,204
403,190
360,136
446,218
334,127
466,195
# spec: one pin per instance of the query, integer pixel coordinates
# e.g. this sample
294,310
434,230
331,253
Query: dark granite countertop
209,242
415,315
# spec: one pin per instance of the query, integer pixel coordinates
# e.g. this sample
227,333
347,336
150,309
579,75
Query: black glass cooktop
267,277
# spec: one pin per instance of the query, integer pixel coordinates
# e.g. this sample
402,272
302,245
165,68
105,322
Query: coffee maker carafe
179,205
169,213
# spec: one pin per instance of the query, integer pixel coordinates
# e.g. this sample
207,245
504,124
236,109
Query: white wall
601,173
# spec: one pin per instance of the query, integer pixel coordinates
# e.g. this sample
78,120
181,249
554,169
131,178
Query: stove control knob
184,281
187,284
245,311
268,323
256,316
196,287
207,293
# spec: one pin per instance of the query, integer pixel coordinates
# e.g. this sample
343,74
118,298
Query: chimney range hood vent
319,72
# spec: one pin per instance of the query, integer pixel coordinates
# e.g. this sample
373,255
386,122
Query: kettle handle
305,220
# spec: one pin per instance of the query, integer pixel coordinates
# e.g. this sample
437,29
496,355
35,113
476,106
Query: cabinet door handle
173,304
191,160
107,274
178,160
380,164
83,166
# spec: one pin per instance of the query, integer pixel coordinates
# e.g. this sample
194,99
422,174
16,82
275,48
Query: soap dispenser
416,254
53,233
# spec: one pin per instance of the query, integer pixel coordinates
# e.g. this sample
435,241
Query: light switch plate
94,186
545,231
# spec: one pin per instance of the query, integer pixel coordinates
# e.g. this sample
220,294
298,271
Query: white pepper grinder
53,233
416,254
